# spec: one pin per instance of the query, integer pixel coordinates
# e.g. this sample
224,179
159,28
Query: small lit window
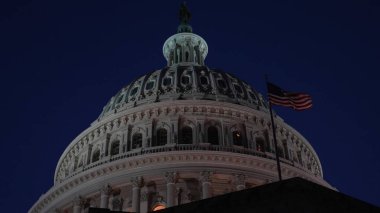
237,138
260,144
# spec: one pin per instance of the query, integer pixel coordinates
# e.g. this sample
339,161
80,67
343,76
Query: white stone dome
175,135
184,81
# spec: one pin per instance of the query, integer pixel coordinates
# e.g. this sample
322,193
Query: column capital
205,176
171,177
106,189
78,201
239,179
137,181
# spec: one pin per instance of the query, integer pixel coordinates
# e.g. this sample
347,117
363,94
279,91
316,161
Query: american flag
296,100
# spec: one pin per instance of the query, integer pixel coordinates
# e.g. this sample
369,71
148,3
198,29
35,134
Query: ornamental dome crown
185,77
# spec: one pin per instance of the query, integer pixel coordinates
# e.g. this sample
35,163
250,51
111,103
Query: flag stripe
297,101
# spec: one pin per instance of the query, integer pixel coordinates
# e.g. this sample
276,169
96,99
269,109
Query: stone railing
181,147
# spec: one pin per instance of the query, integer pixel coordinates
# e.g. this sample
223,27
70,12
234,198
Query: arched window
237,138
280,151
212,135
260,145
115,148
162,137
299,156
187,135
285,145
137,141
95,156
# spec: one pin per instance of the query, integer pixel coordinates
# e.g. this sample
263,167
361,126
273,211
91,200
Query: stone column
77,204
171,178
137,182
205,179
104,196
239,180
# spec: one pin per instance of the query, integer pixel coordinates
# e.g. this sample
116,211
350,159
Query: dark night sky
61,61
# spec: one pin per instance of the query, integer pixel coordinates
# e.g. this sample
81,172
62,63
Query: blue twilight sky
61,61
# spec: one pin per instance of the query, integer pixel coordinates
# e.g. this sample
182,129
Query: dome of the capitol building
182,133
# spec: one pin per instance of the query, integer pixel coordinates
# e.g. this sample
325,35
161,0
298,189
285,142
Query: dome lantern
185,46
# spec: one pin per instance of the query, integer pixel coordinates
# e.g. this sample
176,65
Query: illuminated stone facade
182,133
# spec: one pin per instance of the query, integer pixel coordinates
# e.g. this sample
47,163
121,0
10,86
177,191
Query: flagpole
274,134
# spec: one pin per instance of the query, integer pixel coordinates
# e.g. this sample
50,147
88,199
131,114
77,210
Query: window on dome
238,88
253,96
185,80
137,141
187,135
115,148
96,156
299,156
203,80
119,99
237,138
149,85
280,151
260,145
212,135
222,84
167,81
285,145
134,91
162,137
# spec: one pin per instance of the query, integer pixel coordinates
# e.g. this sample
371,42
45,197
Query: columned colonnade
171,192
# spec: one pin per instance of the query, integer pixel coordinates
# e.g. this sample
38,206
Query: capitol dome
175,135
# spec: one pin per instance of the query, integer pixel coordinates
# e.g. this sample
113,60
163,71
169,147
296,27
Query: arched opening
95,156
213,135
162,137
280,151
299,156
137,141
186,135
285,145
260,145
185,80
115,148
237,138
